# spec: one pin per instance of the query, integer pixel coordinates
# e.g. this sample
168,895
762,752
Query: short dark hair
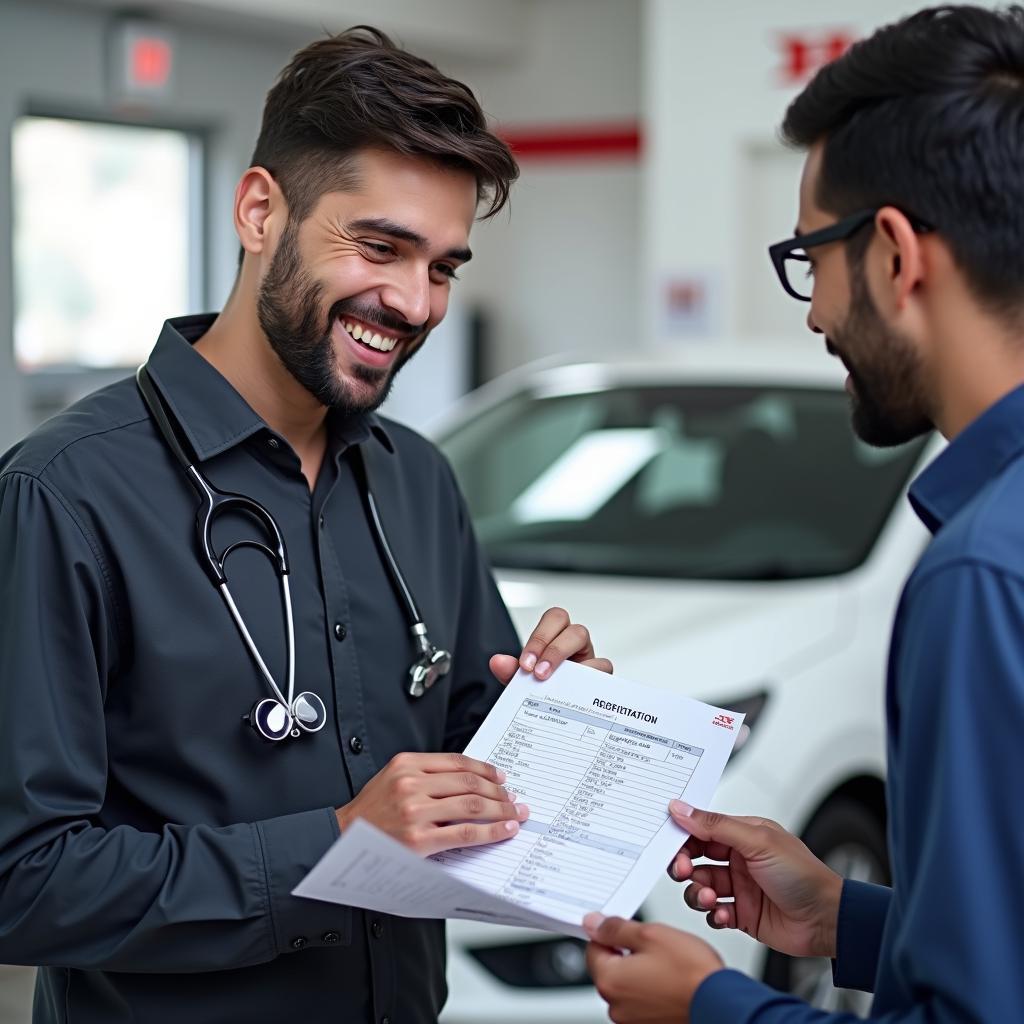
357,90
927,115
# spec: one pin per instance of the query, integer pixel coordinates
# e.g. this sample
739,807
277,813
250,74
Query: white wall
718,188
560,271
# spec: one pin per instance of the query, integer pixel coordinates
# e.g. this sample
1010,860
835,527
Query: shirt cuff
728,997
291,846
862,912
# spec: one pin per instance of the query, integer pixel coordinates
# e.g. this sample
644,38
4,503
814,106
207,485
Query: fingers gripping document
597,760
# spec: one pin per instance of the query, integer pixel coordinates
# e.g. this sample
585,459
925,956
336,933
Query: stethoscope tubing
225,592
411,609
431,664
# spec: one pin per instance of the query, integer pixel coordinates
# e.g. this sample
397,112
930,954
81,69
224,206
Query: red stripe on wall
575,142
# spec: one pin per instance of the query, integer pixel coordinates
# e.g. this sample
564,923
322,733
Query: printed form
597,760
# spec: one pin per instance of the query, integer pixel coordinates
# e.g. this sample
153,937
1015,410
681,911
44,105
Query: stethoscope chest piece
310,713
270,719
432,664
273,721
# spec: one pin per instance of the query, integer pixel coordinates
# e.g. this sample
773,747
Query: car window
687,481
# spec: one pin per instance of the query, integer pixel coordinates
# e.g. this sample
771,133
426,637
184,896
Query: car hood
715,641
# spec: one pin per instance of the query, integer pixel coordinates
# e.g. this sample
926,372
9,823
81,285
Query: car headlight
751,708
547,963
559,962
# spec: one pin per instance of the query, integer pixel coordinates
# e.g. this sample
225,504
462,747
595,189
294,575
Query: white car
712,519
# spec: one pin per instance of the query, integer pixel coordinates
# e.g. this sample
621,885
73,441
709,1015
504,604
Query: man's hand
783,895
555,639
656,982
435,802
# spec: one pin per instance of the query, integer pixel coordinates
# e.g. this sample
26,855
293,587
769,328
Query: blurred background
634,251
652,178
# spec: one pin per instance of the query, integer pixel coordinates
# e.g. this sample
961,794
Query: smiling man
183,733
344,286
912,227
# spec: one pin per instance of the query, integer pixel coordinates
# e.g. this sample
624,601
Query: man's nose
811,325
408,295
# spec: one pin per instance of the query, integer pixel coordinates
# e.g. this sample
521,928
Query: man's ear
902,263
258,198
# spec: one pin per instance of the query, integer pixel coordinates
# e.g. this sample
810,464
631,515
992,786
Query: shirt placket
353,736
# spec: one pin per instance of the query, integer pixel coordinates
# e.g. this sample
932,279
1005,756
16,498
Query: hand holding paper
597,760
416,797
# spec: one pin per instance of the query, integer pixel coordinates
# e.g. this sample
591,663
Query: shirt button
378,929
331,938
339,631
300,942
355,744
273,443
321,522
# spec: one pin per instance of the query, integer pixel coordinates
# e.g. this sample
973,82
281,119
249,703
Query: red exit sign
150,61
803,54
141,61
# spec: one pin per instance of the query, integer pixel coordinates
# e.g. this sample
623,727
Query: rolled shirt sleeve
73,893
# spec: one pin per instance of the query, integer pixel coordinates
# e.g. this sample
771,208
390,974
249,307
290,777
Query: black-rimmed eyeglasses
790,258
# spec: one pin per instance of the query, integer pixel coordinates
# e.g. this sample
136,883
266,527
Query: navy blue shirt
946,944
149,839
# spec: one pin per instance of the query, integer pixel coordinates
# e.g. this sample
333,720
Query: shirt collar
357,429
972,458
211,413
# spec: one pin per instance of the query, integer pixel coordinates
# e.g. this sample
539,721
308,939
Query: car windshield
688,481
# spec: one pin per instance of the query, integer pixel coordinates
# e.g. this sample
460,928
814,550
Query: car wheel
851,840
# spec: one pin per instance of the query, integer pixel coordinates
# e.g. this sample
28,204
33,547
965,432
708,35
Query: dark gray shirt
149,840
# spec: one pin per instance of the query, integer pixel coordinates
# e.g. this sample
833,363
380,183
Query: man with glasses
910,251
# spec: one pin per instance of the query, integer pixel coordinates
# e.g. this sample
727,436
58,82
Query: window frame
51,388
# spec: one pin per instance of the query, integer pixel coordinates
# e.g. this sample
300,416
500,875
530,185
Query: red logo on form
723,721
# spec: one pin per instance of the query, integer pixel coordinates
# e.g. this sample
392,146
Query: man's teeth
368,337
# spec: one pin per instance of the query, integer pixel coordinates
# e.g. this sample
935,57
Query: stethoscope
284,714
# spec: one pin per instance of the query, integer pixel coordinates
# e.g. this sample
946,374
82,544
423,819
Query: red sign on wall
150,62
690,304
141,62
803,54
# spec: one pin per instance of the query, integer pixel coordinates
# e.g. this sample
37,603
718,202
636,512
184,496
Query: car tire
850,838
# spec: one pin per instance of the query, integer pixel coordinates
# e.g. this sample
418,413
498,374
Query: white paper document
597,760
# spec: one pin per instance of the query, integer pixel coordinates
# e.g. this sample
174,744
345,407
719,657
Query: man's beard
888,405
290,310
